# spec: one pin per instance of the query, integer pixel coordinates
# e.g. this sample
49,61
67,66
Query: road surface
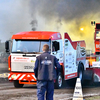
28,92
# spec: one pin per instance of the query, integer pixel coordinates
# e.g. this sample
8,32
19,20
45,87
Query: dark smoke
55,15
73,14
65,9
34,25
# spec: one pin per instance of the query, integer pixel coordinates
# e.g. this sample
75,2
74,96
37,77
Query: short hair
46,47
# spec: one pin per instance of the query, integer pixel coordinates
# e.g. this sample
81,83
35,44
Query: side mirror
7,46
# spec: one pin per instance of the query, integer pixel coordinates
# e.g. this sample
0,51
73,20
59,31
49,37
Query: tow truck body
70,54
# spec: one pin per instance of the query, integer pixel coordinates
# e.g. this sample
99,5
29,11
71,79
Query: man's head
45,48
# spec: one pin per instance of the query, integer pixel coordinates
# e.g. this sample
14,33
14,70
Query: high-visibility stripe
24,77
17,77
10,78
8,75
34,77
21,77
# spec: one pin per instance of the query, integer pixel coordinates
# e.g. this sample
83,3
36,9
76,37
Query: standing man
45,73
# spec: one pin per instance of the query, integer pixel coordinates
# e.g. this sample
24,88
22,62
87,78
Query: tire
59,81
81,73
17,85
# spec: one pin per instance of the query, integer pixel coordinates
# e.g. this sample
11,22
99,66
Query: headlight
14,76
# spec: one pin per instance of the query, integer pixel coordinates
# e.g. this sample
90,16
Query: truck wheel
17,85
80,73
59,81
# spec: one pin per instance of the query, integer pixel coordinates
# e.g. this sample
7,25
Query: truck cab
26,46
97,39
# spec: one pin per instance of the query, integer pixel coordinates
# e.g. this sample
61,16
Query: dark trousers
45,86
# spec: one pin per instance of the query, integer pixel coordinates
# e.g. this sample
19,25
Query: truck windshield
29,46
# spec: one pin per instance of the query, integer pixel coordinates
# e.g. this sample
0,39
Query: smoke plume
51,15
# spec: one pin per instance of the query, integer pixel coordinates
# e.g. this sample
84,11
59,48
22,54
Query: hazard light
9,63
9,69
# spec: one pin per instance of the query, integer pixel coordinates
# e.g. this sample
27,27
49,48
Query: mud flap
88,75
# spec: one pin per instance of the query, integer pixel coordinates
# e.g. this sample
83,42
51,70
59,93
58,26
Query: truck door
70,68
57,50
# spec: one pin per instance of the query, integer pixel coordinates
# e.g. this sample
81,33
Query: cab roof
36,35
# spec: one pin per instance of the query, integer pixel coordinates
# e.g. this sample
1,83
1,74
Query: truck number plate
28,67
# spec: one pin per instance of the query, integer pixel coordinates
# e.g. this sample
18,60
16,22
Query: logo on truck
97,45
83,51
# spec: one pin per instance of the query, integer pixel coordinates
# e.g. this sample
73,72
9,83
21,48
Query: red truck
26,46
94,59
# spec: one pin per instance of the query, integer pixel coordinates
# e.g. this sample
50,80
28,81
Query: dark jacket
45,67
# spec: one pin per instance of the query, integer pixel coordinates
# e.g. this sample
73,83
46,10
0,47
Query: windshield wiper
27,52
29,55
18,52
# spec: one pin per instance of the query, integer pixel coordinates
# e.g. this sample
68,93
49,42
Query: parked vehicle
94,58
